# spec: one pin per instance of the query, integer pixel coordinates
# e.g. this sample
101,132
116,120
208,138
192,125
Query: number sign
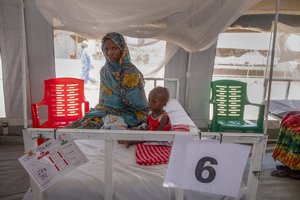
206,165
200,167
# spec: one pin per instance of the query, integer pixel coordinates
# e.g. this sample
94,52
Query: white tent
192,25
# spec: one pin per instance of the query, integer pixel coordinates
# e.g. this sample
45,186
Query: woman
121,88
287,149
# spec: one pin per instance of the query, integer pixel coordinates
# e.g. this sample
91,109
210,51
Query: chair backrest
230,97
65,98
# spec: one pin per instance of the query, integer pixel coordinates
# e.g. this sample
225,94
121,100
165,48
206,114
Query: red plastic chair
65,100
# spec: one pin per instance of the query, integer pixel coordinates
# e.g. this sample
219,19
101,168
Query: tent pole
188,75
189,68
271,66
24,65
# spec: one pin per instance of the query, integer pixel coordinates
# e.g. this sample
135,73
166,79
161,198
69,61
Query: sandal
280,173
294,174
281,167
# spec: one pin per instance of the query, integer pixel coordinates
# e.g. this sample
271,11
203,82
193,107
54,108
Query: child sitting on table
158,118
156,152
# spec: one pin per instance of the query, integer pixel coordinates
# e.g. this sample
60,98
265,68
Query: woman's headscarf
119,40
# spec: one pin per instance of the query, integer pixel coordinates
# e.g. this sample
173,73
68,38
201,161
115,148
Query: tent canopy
191,24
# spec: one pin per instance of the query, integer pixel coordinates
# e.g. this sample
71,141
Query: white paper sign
206,165
51,160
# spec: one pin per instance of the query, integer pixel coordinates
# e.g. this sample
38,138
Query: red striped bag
152,154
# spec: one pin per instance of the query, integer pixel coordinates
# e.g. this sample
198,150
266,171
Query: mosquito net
191,24
286,67
287,52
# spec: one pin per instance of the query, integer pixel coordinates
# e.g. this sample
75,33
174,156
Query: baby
158,118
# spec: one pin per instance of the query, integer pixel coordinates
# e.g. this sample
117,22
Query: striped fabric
287,149
152,154
155,154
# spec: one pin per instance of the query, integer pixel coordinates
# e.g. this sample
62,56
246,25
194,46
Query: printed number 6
200,168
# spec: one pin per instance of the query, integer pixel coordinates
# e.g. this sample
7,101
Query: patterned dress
287,149
121,91
153,123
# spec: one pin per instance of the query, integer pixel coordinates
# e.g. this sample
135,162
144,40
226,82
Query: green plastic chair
229,98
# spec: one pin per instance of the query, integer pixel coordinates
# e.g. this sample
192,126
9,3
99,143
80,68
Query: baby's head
158,98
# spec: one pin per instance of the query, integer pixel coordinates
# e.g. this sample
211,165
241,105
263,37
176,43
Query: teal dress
121,92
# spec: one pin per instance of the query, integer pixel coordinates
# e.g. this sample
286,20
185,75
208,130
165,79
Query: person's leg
84,74
88,78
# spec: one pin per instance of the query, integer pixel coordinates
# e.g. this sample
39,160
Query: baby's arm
163,122
129,143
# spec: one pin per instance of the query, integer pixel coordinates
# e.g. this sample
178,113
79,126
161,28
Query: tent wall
11,54
195,77
40,49
202,65
176,68
40,53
